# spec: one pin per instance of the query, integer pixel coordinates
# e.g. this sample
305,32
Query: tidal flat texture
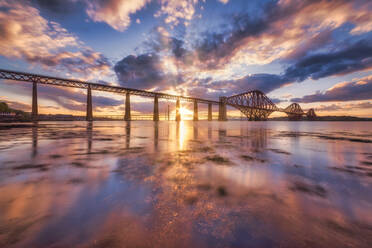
187,184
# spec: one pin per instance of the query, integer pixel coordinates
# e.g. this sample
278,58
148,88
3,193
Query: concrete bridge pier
156,109
209,111
127,116
178,114
222,116
196,117
89,116
34,114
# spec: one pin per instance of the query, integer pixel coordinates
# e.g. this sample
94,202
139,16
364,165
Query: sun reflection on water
181,134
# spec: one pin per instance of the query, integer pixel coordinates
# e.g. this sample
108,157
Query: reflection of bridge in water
178,133
254,104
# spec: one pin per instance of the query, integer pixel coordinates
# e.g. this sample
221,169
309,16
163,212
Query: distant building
5,116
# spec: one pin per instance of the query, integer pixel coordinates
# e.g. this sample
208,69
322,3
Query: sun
185,112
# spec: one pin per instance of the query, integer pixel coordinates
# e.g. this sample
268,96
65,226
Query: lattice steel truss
254,104
294,111
41,79
311,114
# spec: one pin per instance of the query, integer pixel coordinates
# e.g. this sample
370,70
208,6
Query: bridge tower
34,114
127,116
89,116
156,108
209,111
196,117
178,114
222,116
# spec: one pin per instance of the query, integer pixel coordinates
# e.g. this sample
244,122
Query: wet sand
191,184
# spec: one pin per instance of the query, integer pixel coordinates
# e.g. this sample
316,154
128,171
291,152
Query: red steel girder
254,104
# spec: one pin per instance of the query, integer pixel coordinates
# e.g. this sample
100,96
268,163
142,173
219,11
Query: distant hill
325,118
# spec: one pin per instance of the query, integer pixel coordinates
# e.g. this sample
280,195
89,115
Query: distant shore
82,118
325,118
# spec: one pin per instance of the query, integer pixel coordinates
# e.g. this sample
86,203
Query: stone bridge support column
196,117
156,109
209,111
34,114
178,114
89,116
127,116
222,115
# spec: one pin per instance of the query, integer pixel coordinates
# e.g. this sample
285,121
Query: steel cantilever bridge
254,104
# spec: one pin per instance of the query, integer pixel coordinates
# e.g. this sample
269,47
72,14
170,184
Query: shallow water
192,184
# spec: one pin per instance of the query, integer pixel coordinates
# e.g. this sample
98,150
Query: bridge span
254,104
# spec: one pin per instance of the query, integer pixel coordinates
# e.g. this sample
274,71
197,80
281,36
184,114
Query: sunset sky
316,53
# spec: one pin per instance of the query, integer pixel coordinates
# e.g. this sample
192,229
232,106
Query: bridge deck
245,102
42,79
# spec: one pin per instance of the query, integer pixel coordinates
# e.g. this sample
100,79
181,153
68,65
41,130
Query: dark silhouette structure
294,111
254,104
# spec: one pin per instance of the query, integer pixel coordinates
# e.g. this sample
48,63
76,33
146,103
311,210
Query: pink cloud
359,89
286,29
344,107
115,13
27,35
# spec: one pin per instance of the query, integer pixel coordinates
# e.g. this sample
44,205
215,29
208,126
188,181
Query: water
192,184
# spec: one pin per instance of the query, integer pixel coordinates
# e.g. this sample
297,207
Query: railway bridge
254,104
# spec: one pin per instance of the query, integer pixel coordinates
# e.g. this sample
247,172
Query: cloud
148,70
143,71
309,45
281,29
217,49
57,6
27,35
263,82
177,11
277,100
115,13
356,57
360,89
343,107
332,107
305,45
363,105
